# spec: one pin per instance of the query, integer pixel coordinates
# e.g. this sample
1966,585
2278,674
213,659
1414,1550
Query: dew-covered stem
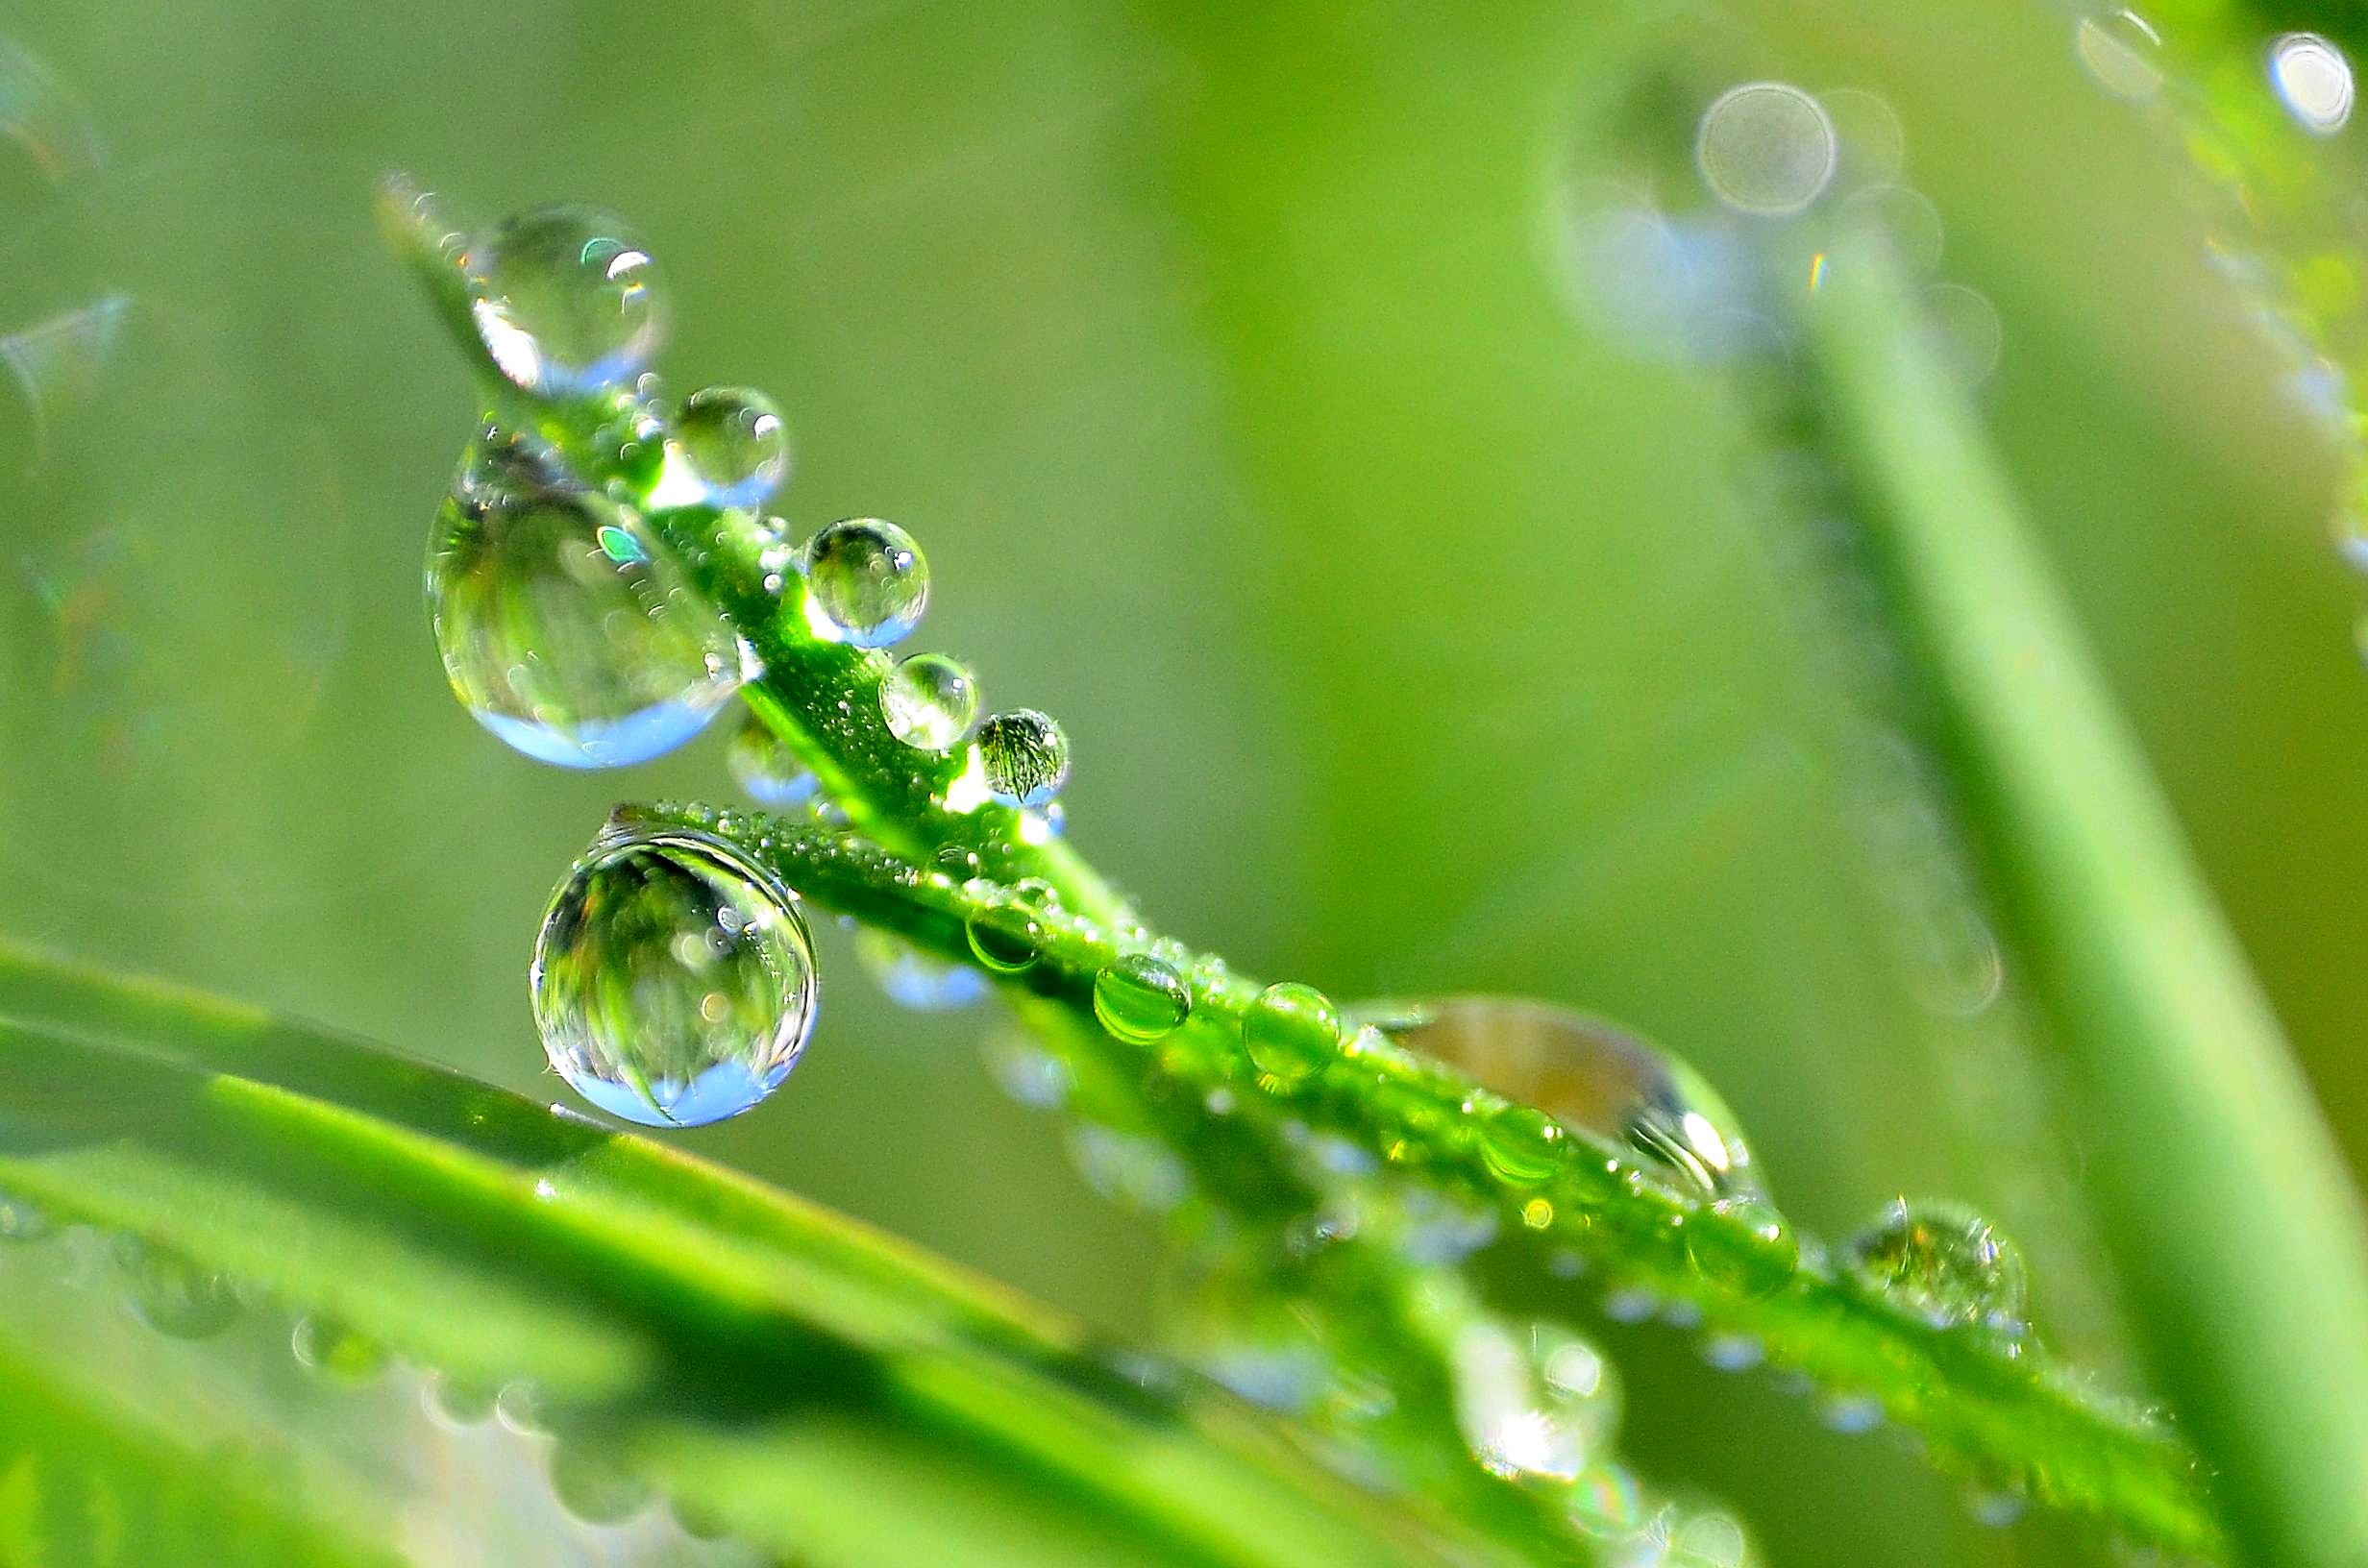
1988,1405
2226,1205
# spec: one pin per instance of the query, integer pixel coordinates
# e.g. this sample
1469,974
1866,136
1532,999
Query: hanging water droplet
764,767
867,583
1593,1078
1027,757
457,1402
911,978
563,631
2122,51
736,443
1006,934
929,701
173,1295
1942,1262
326,1346
568,299
1140,999
1291,1031
673,979
1749,1249
593,1489
520,1407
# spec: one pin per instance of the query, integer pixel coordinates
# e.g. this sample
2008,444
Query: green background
1412,632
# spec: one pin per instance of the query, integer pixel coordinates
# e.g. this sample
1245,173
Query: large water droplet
736,443
1766,147
929,701
673,979
1141,999
173,1295
1591,1077
1026,756
867,583
568,299
1291,1031
764,767
1943,1263
563,631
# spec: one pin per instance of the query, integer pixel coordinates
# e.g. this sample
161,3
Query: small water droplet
172,1296
911,978
1521,1144
1140,999
929,701
674,980
764,767
2122,51
1026,755
1592,1077
562,631
2313,78
521,1407
568,299
324,1345
1006,935
1748,1247
736,443
867,583
1291,1031
1942,1262
457,1402
1767,148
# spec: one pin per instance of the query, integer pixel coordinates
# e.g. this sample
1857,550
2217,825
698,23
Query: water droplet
867,583
1521,1144
1027,757
764,767
1140,999
929,701
1006,935
1942,1262
173,1295
911,978
326,1346
568,301
1749,1248
457,1402
593,1490
1539,1408
2313,80
562,631
673,979
521,1407
2122,51
1607,1503
736,443
21,1219
1593,1078
1291,1031
1766,147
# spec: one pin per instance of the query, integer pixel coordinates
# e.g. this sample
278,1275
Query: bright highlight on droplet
1767,148
2313,80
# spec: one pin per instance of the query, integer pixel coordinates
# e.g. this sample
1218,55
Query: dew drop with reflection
1767,148
736,443
674,980
867,583
929,701
568,301
1026,756
1944,1263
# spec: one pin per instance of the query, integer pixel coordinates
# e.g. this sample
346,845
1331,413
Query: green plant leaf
818,1389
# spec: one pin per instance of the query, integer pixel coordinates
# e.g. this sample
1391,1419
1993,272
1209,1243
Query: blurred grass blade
821,1390
2224,1196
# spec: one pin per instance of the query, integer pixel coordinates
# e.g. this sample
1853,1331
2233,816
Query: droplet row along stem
1989,1406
